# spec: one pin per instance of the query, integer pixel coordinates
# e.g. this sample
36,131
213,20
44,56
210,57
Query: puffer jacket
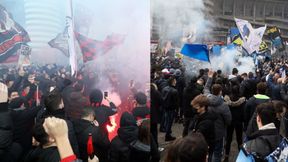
262,143
220,109
6,127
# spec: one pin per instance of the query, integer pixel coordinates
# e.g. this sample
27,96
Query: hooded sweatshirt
127,133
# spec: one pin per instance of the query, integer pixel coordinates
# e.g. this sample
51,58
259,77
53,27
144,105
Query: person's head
234,71
96,97
88,113
140,98
13,95
40,134
265,114
280,108
200,103
244,76
144,132
261,88
172,81
192,148
250,75
219,72
216,89
53,101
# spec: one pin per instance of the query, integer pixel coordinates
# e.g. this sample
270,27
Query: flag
71,42
92,48
196,51
234,31
276,39
238,41
263,47
252,38
12,37
216,50
60,42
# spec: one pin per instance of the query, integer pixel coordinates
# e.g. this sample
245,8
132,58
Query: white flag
252,38
71,42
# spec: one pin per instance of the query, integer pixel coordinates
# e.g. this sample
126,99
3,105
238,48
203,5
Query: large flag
60,42
196,51
93,48
12,37
275,37
252,38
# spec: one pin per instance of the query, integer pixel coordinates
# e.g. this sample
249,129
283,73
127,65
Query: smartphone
105,94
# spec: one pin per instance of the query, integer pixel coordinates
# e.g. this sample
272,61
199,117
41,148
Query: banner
92,48
61,43
196,51
12,36
276,39
252,38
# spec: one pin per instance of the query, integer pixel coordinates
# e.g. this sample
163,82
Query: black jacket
39,154
6,127
236,106
204,124
156,105
251,106
23,121
101,142
263,142
60,113
190,92
170,98
141,112
248,88
120,145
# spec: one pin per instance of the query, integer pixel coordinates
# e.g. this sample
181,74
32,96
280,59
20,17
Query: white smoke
181,18
229,59
129,60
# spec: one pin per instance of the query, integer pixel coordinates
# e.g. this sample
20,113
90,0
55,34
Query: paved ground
177,132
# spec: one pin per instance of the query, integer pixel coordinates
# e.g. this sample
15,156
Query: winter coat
248,88
156,105
236,107
218,108
190,92
23,121
170,98
120,145
141,112
6,127
251,105
204,124
263,142
39,154
101,142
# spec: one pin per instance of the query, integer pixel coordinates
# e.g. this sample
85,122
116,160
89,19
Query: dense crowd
212,106
48,116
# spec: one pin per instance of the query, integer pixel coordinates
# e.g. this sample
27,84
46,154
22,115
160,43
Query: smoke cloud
181,18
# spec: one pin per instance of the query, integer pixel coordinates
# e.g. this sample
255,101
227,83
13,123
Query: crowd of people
48,116
212,106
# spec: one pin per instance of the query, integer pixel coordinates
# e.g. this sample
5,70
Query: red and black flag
92,48
12,37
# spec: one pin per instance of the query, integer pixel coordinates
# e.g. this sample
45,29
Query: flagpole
71,42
